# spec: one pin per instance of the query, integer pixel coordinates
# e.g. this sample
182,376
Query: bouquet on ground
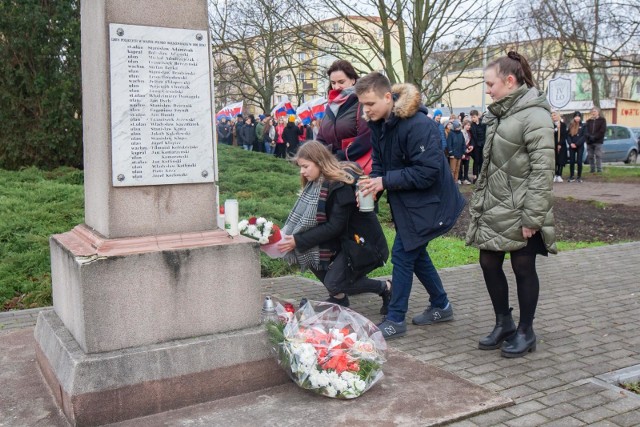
328,349
258,228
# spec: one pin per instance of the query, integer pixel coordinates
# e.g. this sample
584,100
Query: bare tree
251,47
408,36
597,34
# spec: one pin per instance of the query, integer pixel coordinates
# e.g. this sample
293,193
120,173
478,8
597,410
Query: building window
336,27
614,89
289,78
638,88
279,98
301,56
301,77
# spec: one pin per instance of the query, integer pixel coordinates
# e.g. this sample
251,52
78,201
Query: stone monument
154,307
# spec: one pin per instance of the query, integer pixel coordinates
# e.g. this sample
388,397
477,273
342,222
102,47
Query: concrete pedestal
95,389
120,343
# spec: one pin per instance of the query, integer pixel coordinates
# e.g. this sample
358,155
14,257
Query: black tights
524,268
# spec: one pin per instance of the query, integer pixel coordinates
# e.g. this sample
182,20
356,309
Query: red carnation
253,220
275,234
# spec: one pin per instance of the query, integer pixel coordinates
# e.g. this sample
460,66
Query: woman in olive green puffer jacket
511,207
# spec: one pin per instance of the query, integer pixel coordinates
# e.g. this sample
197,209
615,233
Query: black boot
505,327
386,298
521,343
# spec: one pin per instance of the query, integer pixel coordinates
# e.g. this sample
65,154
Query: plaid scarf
337,97
308,212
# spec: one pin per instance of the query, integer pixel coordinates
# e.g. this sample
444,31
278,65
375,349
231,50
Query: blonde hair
330,168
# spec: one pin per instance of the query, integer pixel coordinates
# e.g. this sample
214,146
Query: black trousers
477,161
575,155
338,278
280,151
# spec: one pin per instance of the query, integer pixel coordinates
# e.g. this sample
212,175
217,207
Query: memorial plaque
161,114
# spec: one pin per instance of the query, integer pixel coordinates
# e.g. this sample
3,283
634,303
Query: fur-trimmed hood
407,101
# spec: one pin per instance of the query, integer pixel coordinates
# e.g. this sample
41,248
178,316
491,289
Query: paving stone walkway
587,324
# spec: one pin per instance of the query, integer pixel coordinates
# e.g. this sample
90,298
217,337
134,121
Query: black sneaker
391,329
344,302
572,179
434,315
579,179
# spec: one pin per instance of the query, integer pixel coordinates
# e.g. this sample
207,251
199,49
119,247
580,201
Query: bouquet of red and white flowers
258,228
328,349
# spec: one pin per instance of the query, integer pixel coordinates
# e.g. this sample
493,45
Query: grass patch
35,204
627,173
632,387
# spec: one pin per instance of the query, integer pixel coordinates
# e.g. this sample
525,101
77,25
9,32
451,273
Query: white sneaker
555,178
459,182
560,179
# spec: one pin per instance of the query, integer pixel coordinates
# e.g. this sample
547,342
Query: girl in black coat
320,221
576,139
560,134
290,136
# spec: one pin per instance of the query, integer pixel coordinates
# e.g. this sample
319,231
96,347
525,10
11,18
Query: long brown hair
319,154
516,65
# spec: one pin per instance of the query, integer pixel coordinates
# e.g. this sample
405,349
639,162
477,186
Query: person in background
302,137
425,202
560,139
290,136
456,148
249,138
576,140
511,207
224,132
238,131
258,145
315,128
463,176
478,134
268,135
320,220
596,128
342,128
280,148
437,117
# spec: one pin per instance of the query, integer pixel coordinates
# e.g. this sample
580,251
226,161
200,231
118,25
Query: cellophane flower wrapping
328,349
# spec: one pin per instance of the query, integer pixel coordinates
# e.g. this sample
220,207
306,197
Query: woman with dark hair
511,207
342,128
577,139
322,218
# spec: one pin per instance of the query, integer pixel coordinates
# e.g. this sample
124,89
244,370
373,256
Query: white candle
231,217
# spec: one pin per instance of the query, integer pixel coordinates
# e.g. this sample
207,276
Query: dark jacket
343,221
595,130
239,133
224,133
407,154
560,136
290,136
579,138
345,125
248,134
455,144
478,134
341,203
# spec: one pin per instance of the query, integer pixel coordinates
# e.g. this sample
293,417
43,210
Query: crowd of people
377,138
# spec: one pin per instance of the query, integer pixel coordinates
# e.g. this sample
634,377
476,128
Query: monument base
100,388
